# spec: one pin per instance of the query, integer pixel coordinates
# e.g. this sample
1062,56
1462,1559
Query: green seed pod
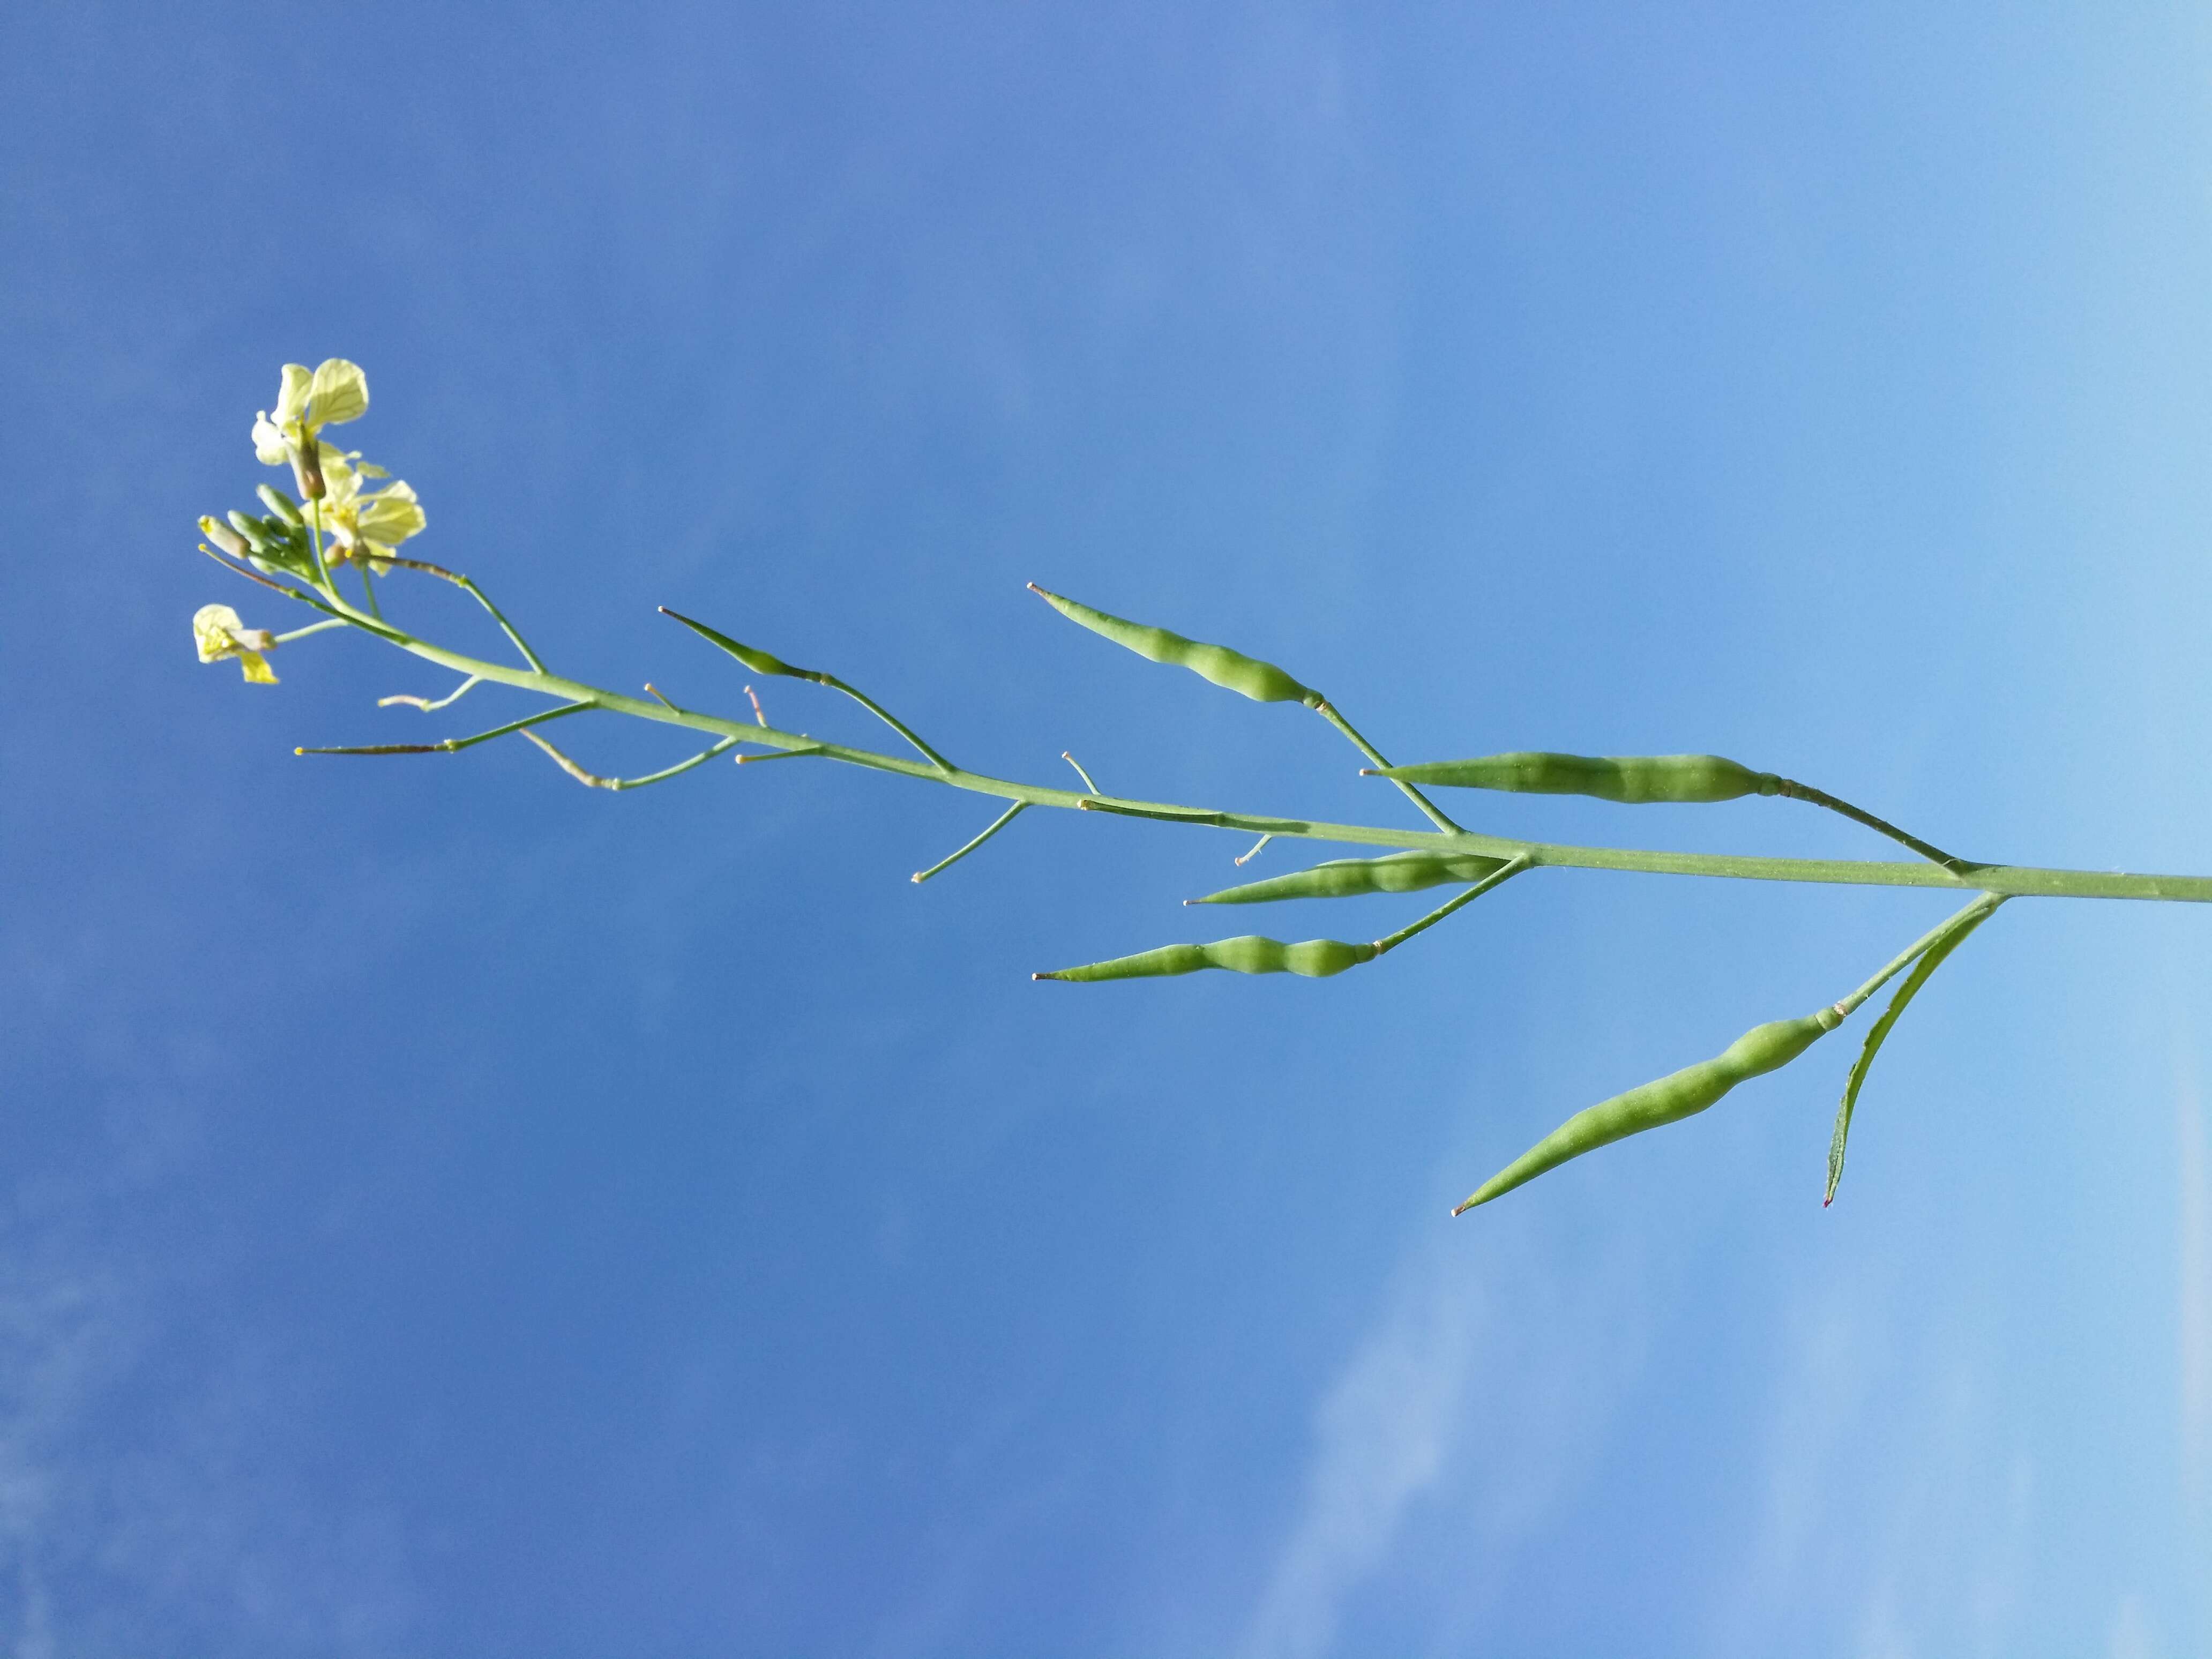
1400,873
1263,682
1633,778
759,661
1664,1100
281,504
1315,958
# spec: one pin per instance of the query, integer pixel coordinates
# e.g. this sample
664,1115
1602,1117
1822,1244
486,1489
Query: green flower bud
281,504
255,532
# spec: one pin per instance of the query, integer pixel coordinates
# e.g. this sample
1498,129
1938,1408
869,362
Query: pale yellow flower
218,633
307,400
365,522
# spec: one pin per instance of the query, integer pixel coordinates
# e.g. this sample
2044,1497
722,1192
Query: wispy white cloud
1477,1403
2193,1170
1384,1433
2131,1635
1924,1548
141,1504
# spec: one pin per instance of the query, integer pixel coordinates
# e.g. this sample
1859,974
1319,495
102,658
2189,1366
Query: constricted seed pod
1664,1100
1400,873
1315,958
1633,778
1263,682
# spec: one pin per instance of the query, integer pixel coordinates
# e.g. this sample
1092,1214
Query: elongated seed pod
1400,873
760,661
1664,1100
1634,779
1263,682
1315,958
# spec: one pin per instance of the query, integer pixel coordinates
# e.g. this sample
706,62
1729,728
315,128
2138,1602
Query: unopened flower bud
225,539
281,504
257,538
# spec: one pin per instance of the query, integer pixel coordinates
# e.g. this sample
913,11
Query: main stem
2021,881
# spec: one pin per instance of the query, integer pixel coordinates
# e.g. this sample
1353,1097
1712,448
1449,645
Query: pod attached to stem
1314,958
1694,1088
1639,780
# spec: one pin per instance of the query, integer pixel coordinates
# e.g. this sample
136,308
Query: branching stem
1998,880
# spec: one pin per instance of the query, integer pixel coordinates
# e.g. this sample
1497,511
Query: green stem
594,781
475,593
887,718
426,704
997,824
315,513
1327,710
1793,790
454,745
2002,880
1980,907
312,628
1499,877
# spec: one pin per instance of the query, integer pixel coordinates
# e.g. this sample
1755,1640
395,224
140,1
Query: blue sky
446,1210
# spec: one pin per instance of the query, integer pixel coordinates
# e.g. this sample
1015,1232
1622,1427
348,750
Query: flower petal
339,393
269,442
341,483
292,394
214,630
258,670
392,515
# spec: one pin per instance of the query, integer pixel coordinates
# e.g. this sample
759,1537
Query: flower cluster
342,517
